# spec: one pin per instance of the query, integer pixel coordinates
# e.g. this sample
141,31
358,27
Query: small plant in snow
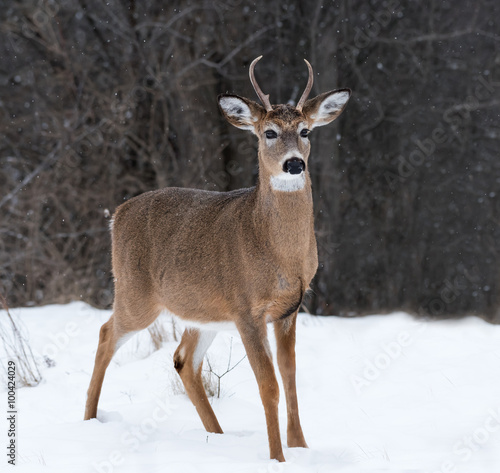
159,334
210,379
208,384
17,349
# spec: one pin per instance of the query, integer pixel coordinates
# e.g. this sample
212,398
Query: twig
228,370
51,158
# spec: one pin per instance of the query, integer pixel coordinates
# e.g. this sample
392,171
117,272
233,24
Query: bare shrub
159,334
212,379
16,348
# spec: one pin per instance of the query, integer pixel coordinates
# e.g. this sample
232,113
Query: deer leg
105,351
260,358
114,333
285,341
188,361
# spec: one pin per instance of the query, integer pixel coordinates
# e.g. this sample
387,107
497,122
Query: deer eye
271,134
304,132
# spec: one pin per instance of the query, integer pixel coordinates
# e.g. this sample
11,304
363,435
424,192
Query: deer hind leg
188,361
285,340
114,333
105,351
259,355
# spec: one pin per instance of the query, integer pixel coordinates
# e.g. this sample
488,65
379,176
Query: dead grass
17,349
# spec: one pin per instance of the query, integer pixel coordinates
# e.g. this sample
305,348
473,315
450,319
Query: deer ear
241,112
326,107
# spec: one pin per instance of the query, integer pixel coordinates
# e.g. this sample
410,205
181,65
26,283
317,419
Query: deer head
283,130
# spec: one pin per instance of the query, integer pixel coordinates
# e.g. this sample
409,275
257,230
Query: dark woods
101,101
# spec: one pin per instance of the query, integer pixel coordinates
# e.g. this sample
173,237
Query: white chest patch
287,182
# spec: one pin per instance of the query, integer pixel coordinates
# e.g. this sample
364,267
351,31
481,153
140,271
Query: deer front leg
284,331
260,358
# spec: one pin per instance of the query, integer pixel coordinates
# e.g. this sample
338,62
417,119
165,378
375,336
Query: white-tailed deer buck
245,257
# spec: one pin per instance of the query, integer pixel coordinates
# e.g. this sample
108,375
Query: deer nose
294,165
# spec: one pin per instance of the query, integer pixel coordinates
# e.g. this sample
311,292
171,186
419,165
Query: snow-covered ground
379,393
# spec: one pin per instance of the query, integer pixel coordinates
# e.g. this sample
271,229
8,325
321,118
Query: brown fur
245,256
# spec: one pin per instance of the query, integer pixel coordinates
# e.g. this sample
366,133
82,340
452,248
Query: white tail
245,257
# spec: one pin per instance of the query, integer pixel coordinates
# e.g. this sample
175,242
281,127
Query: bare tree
99,104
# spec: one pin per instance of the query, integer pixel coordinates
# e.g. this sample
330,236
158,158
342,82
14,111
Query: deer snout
294,165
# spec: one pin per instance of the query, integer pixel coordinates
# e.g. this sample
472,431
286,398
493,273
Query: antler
263,98
309,85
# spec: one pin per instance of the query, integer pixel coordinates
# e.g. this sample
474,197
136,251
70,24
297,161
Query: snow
379,393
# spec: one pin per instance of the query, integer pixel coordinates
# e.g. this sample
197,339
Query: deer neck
285,217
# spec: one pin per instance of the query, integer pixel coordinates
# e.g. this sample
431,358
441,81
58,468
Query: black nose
294,166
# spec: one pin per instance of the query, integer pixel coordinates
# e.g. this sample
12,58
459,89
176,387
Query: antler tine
309,85
263,98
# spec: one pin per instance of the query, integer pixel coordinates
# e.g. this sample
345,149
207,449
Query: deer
241,259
